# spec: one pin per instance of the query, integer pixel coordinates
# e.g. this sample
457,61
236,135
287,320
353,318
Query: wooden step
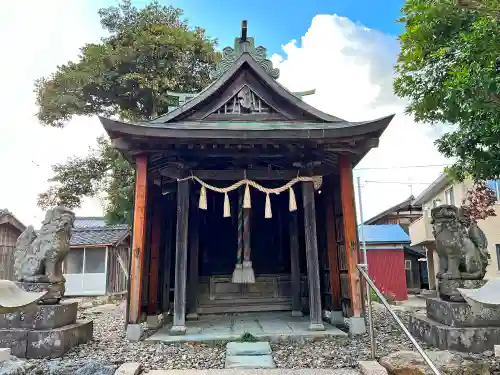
218,307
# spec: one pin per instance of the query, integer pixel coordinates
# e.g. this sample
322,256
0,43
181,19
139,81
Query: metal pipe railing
361,269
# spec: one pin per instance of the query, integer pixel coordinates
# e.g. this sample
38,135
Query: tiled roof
384,233
94,231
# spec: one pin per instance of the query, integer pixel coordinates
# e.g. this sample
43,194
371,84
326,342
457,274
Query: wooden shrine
244,201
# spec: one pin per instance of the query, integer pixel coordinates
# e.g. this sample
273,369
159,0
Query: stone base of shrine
42,331
272,326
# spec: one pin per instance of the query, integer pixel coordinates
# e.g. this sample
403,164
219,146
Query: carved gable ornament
230,55
245,102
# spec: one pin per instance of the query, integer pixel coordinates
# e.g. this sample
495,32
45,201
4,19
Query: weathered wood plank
239,174
167,256
181,248
139,237
315,315
294,264
333,264
350,234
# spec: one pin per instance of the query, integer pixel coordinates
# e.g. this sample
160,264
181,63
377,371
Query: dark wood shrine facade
244,126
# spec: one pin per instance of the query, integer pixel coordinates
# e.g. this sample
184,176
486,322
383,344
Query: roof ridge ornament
242,45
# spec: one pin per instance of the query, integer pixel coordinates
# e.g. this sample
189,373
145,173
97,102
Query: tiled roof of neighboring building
408,204
89,231
384,233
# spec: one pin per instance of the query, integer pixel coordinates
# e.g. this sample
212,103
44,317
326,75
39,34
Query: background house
445,191
392,264
10,229
97,263
403,213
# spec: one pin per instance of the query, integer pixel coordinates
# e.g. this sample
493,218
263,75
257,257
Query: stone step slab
129,368
250,361
371,368
248,348
281,371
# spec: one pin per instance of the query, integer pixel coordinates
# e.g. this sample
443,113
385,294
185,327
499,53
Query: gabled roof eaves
7,217
440,183
215,86
408,202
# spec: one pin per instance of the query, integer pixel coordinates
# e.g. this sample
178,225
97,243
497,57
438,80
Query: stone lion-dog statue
460,244
39,254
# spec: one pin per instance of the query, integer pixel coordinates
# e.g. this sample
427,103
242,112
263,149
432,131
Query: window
449,196
408,264
495,186
82,261
498,256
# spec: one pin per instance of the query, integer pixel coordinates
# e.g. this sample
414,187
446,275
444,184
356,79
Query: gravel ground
110,347
345,352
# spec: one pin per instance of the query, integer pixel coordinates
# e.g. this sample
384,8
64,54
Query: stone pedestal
448,288
40,331
55,291
450,325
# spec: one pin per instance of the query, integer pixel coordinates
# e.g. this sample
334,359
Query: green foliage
248,337
147,52
448,70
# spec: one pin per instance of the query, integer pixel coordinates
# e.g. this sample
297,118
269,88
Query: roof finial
244,29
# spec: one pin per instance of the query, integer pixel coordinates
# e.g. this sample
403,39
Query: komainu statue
39,254
460,245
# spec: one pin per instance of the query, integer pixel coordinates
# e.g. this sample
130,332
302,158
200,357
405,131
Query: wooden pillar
331,238
316,321
179,322
155,257
350,234
167,256
138,239
192,297
294,264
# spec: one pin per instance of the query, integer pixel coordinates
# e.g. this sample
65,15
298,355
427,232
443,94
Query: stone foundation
40,331
449,325
448,288
55,291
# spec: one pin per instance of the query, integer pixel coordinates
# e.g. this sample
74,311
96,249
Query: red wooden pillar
332,243
139,237
155,257
351,235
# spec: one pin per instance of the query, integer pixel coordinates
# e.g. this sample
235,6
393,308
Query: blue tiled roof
384,233
94,231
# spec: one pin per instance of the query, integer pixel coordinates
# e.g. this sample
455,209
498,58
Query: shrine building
244,202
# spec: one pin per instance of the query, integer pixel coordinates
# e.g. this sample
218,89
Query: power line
403,167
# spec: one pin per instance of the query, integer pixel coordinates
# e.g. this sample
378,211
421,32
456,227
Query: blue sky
344,49
276,22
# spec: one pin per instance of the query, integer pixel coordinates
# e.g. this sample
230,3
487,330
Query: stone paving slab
257,372
250,361
265,326
248,348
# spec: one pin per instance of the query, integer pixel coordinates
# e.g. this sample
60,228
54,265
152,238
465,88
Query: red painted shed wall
387,269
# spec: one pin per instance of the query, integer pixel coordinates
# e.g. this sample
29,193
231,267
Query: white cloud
37,36
351,68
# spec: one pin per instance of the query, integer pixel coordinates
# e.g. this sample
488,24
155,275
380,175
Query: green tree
147,52
448,70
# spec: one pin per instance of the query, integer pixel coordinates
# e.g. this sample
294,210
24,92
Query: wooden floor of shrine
273,326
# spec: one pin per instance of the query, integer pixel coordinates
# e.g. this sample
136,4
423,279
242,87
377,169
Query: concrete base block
248,348
40,317
297,314
4,354
459,314
55,342
371,368
16,340
250,361
178,330
134,332
337,318
497,350
153,322
357,326
462,339
129,368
